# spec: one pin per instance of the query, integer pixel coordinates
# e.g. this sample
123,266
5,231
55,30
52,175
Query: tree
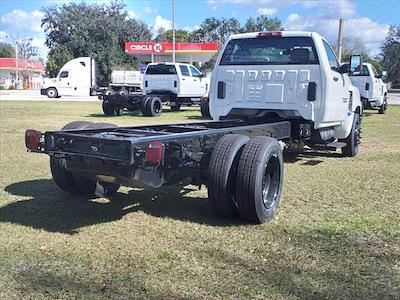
262,23
26,50
215,30
391,53
99,31
354,46
6,50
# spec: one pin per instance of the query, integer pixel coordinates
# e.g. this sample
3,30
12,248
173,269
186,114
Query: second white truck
174,84
372,88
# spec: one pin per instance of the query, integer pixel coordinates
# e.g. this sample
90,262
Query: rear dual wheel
151,106
245,177
111,109
77,184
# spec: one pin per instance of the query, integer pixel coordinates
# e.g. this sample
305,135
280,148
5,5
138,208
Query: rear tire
77,184
259,179
353,140
154,107
52,93
111,110
143,106
222,174
176,107
205,109
383,108
123,92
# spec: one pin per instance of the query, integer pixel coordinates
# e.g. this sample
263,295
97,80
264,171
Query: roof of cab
284,34
169,63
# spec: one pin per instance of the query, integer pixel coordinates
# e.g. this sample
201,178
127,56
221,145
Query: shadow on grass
308,156
54,210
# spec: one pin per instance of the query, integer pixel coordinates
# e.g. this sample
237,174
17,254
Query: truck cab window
64,74
331,57
195,72
184,70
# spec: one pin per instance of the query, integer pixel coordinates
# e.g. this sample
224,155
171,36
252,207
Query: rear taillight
154,152
146,83
32,139
269,34
175,83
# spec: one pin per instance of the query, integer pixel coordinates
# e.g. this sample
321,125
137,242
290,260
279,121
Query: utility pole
173,30
340,40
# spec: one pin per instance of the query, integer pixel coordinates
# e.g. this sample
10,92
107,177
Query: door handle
335,78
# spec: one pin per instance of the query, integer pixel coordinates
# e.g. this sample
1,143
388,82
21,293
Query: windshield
270,51
161,69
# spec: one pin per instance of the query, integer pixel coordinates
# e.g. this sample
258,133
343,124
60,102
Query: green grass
336,234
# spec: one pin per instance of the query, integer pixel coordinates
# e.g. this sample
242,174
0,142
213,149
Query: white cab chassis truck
125,82
372,88
269,91
76,78
174,84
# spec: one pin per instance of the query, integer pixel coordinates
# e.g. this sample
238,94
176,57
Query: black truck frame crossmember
96,158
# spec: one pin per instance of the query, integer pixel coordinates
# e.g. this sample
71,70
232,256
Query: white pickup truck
372,88
177,83
268,90
174,84
293,76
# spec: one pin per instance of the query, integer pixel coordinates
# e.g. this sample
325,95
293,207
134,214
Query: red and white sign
151,47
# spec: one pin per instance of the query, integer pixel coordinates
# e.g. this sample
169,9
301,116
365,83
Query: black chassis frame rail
119,154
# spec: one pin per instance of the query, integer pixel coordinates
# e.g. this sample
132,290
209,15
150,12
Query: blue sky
365,19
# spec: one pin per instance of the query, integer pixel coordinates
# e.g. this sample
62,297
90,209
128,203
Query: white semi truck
269,91
76,78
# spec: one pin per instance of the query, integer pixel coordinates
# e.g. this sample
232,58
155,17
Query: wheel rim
157,107
51,93
271,182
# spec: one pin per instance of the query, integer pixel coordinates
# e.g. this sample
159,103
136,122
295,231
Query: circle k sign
157,47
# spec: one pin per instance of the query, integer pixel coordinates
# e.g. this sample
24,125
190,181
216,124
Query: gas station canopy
162,52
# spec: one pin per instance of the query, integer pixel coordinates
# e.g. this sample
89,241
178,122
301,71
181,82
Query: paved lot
394,98
34,95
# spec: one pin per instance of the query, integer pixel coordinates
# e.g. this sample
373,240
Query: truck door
186,83
64,85
337,89
199,85
377,84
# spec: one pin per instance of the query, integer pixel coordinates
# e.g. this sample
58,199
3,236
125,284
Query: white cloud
132,15
325,21
160,22
22,20
267,11
270,3
3,36
149,10
332,8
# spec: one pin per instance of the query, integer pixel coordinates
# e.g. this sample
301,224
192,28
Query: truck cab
290,75
178,83
372,88
76,78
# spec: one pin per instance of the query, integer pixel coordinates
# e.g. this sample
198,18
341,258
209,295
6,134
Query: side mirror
355,64
379,76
